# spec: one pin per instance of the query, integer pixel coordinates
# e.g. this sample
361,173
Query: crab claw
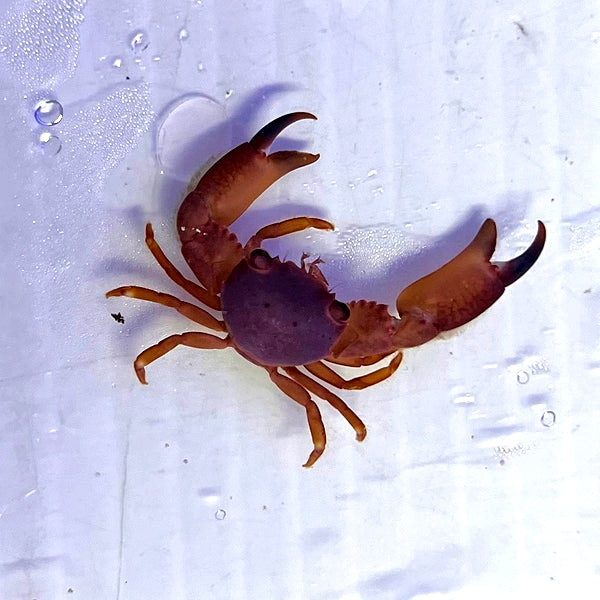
229,187
462,289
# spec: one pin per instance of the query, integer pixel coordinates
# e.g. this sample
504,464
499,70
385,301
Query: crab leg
191,311
193,339
318,369
315,423
462,289
284,228
236,180
335,401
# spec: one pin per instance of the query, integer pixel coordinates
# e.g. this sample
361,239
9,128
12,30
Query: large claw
462,289
236,180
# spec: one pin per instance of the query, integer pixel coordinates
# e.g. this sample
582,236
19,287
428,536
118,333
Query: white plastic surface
432,117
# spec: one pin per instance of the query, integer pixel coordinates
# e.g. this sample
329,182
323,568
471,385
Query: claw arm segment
284,228
191,311
369,332
297,393
358,361
335,401
170,269
193,339
231,185
460,290
318,369
212,253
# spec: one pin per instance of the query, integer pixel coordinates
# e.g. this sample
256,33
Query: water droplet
49,144
139,41
48,112
220,514
196,123
548,418
183,34
522,377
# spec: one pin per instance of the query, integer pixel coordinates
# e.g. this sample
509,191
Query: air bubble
220,514
548,418
196,124
522,377
228,93
183,34
200,66
50,145
117,63
48,112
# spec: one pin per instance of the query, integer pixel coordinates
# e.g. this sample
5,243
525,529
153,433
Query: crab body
292,318
282,316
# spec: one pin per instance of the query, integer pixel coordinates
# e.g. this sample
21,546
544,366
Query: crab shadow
351,274
393,258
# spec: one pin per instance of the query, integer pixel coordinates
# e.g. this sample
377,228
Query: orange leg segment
297,393
335,401
171,270
318,369
193,339
191,311
285,227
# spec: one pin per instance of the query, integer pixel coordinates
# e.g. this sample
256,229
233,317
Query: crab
282,316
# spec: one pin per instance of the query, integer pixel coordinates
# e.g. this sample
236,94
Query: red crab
281,316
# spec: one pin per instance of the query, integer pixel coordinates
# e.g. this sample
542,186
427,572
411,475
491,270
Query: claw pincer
232,184
462,289
283,316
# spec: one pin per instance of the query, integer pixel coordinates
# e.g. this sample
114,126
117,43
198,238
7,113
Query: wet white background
432,117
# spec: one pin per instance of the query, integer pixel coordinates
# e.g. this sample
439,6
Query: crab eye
260,260
339,311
